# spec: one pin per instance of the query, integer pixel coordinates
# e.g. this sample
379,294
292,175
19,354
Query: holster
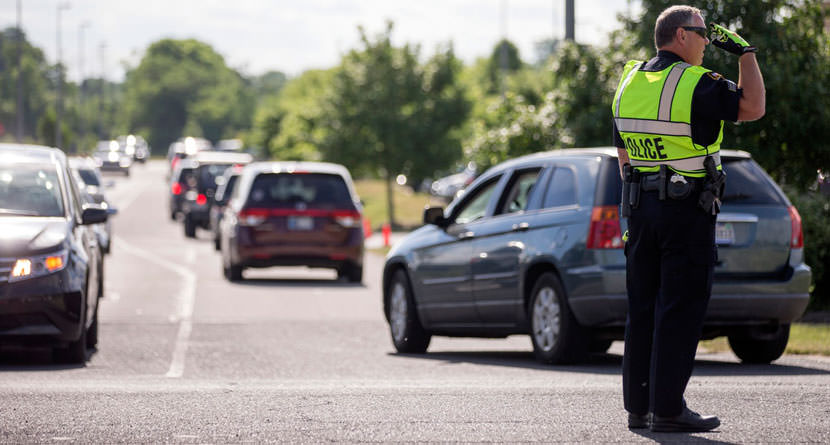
631,190
713,185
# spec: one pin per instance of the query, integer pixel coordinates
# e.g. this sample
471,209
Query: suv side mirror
93,214
435,215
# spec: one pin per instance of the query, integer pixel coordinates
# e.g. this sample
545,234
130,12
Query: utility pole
20,111
59,106
569,20
101,96
82,120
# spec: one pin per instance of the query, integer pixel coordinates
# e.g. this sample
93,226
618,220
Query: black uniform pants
669,266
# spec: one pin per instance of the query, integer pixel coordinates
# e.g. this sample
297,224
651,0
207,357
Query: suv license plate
724,234
300,223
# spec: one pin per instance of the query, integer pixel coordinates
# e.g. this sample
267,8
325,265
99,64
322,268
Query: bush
814,209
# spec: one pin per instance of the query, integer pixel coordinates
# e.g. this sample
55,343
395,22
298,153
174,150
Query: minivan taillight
797,235
605,231
347,218
252,217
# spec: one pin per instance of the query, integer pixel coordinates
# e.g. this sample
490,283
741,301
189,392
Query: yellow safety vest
653,112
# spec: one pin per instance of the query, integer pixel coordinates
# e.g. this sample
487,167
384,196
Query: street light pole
20,111
81,119
59,106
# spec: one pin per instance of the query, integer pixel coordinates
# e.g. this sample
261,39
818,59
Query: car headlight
25,268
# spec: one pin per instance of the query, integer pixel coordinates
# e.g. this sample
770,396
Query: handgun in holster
713,185
631,190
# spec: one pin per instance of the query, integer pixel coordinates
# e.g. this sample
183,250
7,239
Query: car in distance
534,246
91,186
110,156
224,189
293,214
50,262
197,202
135,146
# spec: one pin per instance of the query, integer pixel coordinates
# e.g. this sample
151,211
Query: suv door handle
466,235
521,227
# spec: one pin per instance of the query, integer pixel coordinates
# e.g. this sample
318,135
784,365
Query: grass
409,205
805,338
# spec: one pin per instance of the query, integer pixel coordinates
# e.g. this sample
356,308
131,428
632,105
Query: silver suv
534,247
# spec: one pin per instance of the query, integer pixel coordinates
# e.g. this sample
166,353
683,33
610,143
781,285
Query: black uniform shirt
715,99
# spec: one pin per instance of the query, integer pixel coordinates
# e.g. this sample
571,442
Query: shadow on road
680,437
35,359
609,364
298,282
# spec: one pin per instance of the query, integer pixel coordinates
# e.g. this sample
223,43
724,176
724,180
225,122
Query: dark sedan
534,246
50,262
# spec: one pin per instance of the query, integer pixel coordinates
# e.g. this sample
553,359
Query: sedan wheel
555,333
408,335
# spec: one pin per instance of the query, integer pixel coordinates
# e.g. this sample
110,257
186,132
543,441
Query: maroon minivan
293,214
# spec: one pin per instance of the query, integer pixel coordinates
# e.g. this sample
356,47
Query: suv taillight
176,188
347,218
252,217
605,231
201,199
797,235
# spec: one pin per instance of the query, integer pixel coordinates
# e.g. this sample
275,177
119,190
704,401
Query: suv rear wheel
189,226
352,273
555,333
408,335
760,345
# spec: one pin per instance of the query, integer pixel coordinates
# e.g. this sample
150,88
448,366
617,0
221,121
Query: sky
256,36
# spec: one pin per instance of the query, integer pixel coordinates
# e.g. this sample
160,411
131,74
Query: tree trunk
390,200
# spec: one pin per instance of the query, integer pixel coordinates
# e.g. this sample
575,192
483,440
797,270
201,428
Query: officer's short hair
671,19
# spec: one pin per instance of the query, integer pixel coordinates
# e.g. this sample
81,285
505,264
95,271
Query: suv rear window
609,183
746,183
288,190
207,174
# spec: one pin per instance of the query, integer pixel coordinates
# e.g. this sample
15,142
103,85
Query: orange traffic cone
367,228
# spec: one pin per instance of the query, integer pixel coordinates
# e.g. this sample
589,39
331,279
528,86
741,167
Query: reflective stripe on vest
661,135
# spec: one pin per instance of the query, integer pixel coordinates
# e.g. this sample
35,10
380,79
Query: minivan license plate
724,234
300,223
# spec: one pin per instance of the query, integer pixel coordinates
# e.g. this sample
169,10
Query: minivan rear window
308,190
746,183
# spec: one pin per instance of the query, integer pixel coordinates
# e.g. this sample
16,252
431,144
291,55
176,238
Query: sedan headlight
25,268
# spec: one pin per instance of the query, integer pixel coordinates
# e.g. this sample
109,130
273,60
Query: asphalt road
292,355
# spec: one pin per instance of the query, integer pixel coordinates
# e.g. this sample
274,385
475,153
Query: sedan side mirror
94,214
435,215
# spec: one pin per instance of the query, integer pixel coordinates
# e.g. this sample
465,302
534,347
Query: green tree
287,126
183,84
37,90
388,113
793,139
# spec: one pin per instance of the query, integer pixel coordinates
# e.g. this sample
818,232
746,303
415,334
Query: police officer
668,125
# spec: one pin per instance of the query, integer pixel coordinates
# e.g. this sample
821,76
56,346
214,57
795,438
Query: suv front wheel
555,333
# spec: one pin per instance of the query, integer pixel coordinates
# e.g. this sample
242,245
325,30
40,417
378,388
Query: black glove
729,40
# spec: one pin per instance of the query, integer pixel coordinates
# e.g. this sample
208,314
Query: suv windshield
30,190
293,190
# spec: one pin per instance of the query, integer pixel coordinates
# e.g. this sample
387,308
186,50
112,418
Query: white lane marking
186,299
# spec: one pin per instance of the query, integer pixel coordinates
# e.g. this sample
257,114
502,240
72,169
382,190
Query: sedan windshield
30,191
